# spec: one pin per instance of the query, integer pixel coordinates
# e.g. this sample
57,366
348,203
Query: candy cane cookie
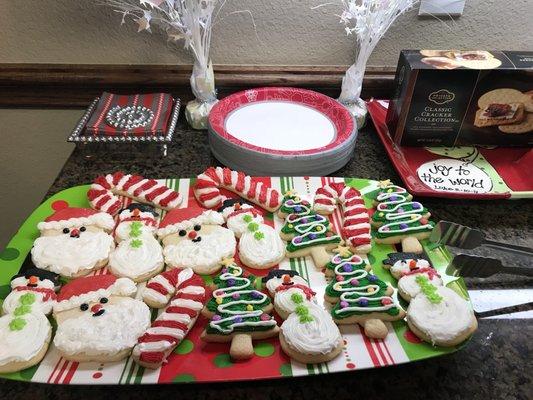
186,293
356,222
103,192
208,185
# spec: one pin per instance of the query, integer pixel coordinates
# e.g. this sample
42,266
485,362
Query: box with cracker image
462,97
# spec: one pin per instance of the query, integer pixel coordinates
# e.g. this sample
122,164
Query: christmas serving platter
197,361
465,172
281,131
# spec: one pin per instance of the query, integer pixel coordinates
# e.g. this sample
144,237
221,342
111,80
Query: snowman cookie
98,320
260,246
74,242
438,315
308,333
25,332
198,241
405,267
138,256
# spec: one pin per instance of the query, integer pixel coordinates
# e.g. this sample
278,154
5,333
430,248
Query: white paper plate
281,131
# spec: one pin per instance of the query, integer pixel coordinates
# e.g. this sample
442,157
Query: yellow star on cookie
227,262
290,193
343,251
384,184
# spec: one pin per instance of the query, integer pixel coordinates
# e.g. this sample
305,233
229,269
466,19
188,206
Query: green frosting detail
429,290
136,229
21,310
259,235
297,298
26,299
136,243
253,226
247,218
17,324
303,313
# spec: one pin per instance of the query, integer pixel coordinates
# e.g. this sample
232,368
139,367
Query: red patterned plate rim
333,110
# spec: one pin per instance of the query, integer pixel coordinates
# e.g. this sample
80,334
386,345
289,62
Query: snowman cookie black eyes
182,232
84,307
66,230
197,227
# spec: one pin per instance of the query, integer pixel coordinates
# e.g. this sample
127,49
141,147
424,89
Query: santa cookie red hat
91,289
185,218
69,217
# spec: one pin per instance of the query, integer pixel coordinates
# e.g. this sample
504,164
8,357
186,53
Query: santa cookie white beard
113,332
97,320
69,256
198,242
74,241
202,256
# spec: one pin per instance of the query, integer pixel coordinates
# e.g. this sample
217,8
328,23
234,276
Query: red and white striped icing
103,192
208,184
356,222
186,293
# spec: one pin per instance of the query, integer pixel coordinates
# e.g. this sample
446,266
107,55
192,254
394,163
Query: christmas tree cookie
398,219
307,232
238,313
358,296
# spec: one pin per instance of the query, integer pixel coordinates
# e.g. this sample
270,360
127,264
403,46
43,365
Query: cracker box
452,98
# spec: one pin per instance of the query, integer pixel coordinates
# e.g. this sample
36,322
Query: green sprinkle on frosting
247,218
136,229
259,235
429,290
297,298
17,324
136,243
27,298
253,226
21,310
303,313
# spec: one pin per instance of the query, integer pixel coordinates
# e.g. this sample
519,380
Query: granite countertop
494,364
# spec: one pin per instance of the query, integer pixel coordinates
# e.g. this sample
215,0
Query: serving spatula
468,266
463,237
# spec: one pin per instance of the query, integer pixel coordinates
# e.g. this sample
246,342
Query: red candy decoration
423,221
386,301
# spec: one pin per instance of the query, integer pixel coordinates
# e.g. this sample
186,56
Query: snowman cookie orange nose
33,280
287,279
136,212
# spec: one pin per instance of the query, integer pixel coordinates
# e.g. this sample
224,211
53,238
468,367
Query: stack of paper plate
281,131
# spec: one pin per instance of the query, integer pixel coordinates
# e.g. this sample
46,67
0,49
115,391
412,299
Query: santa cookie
73,241
198,242
138,256
97,320
406,267
260,246
308,333
439,316
24,330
